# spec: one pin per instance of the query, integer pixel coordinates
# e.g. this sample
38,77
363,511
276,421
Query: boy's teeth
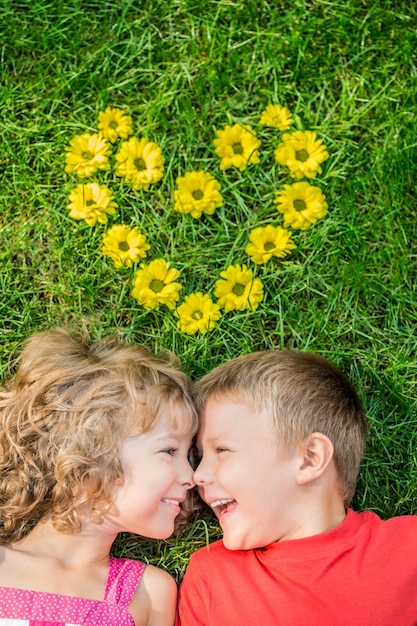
220,502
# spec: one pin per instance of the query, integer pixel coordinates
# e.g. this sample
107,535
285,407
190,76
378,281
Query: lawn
184,70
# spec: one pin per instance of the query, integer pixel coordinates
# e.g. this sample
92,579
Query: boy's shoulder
392,528
364,528
405,522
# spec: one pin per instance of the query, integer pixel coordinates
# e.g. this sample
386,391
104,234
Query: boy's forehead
221,401
222,414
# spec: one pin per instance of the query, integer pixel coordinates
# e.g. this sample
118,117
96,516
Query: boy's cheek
201,492
203,498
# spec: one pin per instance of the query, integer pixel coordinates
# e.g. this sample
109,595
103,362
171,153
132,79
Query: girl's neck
65,564
91,545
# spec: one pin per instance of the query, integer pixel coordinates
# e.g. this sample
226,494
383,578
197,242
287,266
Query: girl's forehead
177,419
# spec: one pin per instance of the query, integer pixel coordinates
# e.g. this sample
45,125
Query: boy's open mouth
220,507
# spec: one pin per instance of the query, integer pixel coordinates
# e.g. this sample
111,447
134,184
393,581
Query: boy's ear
317,453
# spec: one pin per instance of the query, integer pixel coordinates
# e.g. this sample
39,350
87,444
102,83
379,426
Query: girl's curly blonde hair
63,418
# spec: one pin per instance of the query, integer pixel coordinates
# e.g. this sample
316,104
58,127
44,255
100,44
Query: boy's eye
219,450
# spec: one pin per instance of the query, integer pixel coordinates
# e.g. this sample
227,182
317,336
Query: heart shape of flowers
140,163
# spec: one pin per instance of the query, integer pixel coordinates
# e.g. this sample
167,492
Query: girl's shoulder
156,597
123,578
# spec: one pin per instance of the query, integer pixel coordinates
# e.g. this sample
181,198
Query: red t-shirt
362,573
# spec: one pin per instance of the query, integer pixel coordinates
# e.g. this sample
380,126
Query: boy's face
243,476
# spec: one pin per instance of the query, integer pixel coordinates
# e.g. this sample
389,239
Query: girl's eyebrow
167,435
173,434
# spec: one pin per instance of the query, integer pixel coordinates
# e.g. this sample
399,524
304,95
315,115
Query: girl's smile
157,476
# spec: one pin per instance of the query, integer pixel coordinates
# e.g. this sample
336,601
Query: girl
93,442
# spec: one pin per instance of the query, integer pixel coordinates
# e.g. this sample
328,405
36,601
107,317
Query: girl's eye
170,451
219,450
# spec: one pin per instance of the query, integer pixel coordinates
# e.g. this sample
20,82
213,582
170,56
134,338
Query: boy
281,438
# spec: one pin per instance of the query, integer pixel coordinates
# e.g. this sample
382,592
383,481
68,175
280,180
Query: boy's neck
320,516
319,522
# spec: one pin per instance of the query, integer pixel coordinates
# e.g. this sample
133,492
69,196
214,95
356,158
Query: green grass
184,69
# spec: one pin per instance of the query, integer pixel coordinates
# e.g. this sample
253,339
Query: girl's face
157,476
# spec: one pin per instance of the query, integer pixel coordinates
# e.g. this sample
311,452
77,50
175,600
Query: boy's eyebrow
214,439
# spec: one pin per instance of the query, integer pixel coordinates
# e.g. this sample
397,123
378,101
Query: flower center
87,155
301,155
197,315
237,148
123,246
299,205
140,164
90,203
238,289
269,245
197,194
113,124
156,285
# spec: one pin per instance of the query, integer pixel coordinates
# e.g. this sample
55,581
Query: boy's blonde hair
300,393
64,417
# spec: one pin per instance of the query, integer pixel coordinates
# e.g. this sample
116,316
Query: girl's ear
316,454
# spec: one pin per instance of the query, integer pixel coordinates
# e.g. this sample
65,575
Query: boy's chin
250,541
236,543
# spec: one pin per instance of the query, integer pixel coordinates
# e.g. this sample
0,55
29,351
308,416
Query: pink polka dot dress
20,607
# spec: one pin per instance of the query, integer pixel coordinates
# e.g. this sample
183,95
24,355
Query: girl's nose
187,475
201,474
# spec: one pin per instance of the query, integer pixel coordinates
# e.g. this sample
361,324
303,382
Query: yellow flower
237,146
197,313
141,162
276,116
197,193
91,202
239,290
154,285
302,153
302,205
267,242
86,154
114,123
124,245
